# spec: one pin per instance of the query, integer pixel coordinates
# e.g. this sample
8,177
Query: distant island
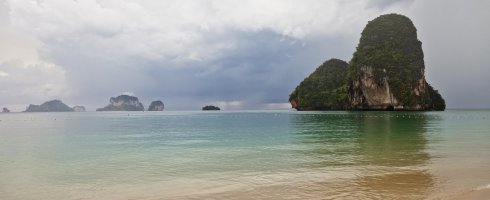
387,72
210,107
119,103
49,106
156,106
79,108
123,103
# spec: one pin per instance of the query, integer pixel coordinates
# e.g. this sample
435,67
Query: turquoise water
245,155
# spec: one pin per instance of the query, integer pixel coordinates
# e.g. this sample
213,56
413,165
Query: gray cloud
455,36
240,56
262,68
382,4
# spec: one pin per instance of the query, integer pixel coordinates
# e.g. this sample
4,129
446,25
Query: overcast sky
230,53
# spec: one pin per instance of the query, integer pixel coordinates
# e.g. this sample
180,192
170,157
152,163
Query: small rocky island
5,110
123,103
79,108
387,72
210,107
156,106
49,106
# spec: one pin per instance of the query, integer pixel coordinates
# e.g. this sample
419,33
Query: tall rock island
50,106
123,103
387,72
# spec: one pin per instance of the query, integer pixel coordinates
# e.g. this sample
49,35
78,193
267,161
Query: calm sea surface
245,155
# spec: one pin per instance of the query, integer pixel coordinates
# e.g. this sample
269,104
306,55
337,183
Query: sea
245,155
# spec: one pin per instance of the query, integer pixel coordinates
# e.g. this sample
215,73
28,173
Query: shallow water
245,155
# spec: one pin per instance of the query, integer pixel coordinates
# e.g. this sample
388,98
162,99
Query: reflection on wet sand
392,141
394,157
404,184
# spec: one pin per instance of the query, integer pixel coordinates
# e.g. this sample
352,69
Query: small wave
484,187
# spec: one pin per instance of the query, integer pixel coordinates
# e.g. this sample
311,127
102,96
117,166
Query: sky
247,54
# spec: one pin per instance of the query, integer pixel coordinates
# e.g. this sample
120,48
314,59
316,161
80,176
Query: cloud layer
237,54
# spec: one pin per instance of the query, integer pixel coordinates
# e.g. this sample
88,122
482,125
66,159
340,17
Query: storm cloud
235,54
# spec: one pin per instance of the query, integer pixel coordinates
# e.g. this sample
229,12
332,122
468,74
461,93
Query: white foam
483,187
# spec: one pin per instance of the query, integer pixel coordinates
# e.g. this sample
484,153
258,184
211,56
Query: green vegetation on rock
324,89
390,46
435,100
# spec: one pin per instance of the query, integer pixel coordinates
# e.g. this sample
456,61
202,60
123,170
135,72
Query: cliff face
123,103
387,69
324,89
387,72
366,93
156,106
49,106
